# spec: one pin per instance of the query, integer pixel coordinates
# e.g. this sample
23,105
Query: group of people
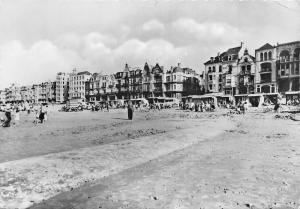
12,113
207,106
293,102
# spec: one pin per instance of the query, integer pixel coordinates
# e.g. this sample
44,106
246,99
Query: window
210,87
214,69
265,56
273,88
220,69
174,87
249,68
243,69
270,55
229,69
210,77
261,57
258,89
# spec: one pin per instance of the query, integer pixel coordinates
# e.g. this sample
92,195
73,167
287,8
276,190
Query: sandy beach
162,159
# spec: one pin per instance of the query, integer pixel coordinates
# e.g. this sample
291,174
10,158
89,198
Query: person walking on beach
130,110
107,107
42,114
8,116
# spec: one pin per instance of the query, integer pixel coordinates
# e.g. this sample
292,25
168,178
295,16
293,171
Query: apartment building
265,69
27,94
77,84
246,73
61,87
221,71
101,88
288,60
181,82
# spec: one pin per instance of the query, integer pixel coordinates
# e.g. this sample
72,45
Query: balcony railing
265,70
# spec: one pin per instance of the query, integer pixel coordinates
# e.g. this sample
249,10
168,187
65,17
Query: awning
226,96
206,95
270,93
292,92
241,95
255,95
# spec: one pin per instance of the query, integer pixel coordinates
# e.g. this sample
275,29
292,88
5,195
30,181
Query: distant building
101,88
13,93
2,96
77,84
61,87
27,94
181,82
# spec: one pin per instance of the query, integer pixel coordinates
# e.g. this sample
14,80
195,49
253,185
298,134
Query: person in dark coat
8,117
130,110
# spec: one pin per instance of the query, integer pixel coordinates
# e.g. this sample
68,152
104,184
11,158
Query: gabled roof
157,68
234,50
265,47
230,51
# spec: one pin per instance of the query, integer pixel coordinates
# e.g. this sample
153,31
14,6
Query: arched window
284,56
261,57
265,56
270,55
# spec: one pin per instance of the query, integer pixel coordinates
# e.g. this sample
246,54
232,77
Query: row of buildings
234,75
130,83
272,70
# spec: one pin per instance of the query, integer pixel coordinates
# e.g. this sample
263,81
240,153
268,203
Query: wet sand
168,159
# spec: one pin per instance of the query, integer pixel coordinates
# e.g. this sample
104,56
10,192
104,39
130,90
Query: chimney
242,44
211,59
179,64
218,54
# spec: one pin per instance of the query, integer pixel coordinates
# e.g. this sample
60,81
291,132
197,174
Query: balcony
266,70
157,81
157,90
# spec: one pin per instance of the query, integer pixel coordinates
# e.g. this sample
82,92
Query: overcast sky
41,37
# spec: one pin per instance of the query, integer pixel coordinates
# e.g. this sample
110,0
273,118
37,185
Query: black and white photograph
148,104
